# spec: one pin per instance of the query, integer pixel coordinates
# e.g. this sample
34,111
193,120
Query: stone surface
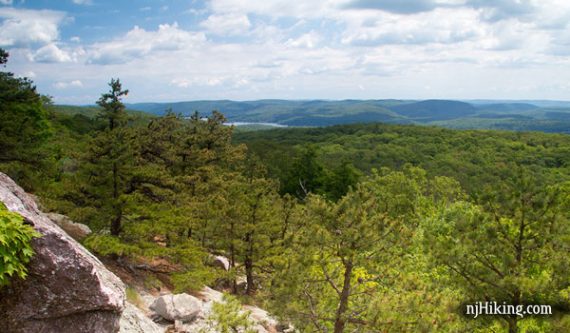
208,294
133,320
181,307
221,262
67,289
262,317
76,230
262,321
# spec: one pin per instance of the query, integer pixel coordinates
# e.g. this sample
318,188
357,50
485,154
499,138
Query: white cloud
22,27
308,40
226,24
439,26
277,8
181,83
322,48
51,53
139,42
70,84
6,2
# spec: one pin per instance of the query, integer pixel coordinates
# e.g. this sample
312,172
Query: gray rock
262,318
76,230
181,307
210,295
67,288
133,320
221,262
37,201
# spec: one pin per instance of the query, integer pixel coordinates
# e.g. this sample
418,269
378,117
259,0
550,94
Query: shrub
15,247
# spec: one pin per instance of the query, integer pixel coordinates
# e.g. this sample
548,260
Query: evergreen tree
512,248
339,251
24,126
249,230
307,174
110,160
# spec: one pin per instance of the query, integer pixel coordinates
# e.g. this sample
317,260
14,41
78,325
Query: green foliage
152,282
228,317
113,110
193,280
508,249
133,297
15,247
24,127
110,245
308,174
351,228
335,267
477,159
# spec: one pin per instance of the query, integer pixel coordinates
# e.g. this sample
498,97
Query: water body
244,123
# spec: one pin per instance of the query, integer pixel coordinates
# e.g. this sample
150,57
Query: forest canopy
353,228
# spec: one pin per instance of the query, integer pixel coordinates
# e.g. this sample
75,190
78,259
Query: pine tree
110,159
24,126
511,248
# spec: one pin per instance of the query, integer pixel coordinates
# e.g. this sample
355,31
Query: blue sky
313,49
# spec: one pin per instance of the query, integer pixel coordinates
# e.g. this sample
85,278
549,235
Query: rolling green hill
504,115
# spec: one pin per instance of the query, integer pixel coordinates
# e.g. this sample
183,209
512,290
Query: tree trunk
513,327
340,322
249,251
232,256
204,226
116,224
249,265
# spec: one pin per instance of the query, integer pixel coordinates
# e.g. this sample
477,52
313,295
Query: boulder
210,295
182,307
241,283
221,262
67,288
133,320
76,230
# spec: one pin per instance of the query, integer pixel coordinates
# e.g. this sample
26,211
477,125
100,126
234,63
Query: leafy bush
15,247
228,317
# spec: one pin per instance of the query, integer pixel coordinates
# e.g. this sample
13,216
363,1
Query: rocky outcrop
76,230
134,320
180,307
261,320
67,288
221,262
208,294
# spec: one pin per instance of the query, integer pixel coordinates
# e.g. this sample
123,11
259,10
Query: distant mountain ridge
546,116
431,110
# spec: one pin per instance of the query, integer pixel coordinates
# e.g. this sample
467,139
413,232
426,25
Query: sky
174,50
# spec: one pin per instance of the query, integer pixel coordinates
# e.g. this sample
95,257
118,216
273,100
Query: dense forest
352,228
